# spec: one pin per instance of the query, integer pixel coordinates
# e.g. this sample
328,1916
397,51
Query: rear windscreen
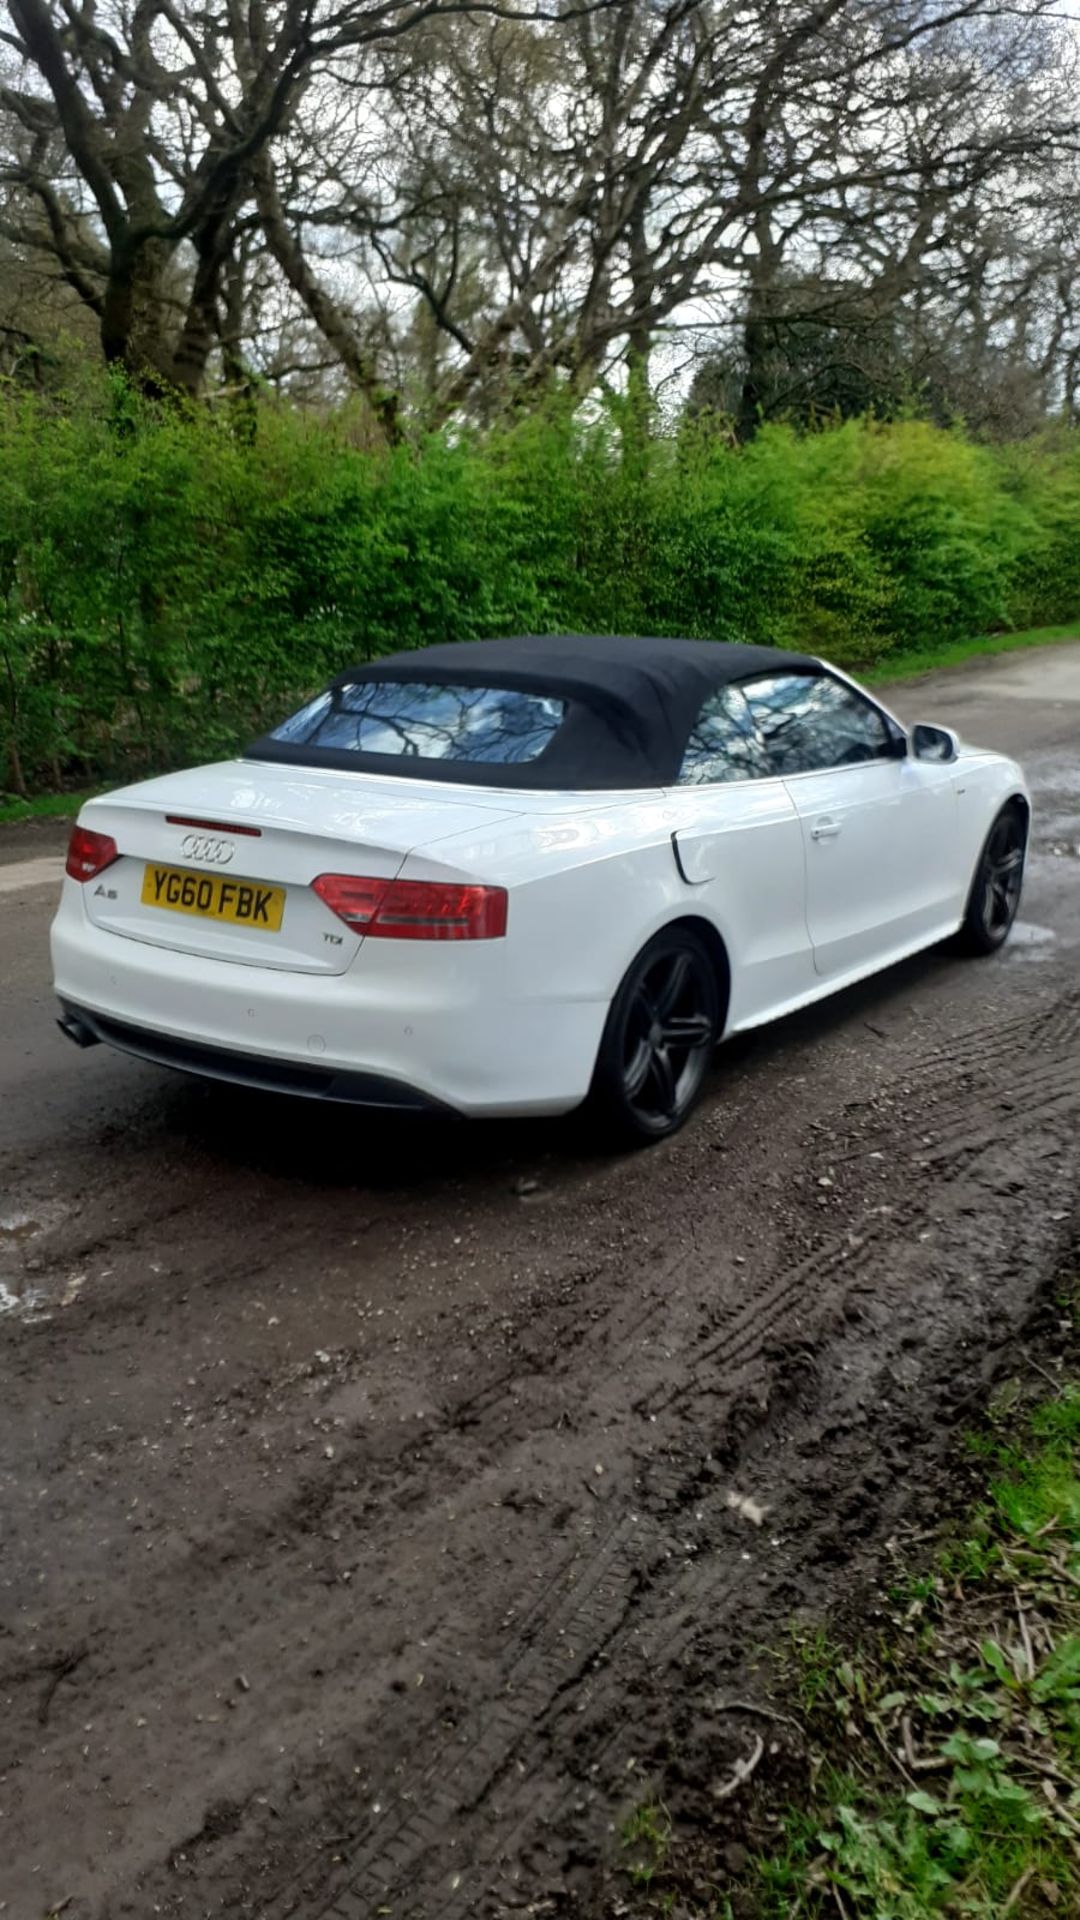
415,720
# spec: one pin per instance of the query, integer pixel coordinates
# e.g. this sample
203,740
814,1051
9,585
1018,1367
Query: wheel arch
971,937
1018,800
713,941
1013,800
608,1102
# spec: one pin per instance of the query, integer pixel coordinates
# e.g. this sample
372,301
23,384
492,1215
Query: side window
725,743
809,723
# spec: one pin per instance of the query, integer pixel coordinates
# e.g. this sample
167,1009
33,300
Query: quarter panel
588,890
741,848
574,923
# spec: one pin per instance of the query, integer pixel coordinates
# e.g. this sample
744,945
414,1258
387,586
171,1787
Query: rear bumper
244,1070
427,1028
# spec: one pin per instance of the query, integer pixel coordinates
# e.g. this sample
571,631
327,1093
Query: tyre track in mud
511,1757
738,1341
667,1618
714,1367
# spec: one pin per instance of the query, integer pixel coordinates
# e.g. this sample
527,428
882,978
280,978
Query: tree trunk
639,405
753,394
133,333
639,341
14,759
15,772
195,345
236,373
117,309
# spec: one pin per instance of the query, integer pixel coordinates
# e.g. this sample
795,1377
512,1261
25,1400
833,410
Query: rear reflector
414,909
211,826
89,853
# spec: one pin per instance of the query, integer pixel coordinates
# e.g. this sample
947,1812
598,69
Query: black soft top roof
631,703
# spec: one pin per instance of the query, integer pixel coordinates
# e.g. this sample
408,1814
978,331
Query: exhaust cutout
78,1030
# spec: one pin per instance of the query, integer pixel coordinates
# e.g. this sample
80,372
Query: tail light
414,909
90,853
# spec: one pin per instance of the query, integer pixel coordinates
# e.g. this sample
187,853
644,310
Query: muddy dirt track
364,1488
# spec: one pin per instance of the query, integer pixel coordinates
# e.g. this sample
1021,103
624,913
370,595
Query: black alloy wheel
998,883
661,1031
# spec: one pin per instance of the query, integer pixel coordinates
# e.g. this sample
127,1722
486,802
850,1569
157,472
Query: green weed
43,806
962,1795
646,1835
908,663
945,1753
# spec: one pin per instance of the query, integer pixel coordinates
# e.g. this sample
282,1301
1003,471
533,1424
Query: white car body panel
512,1025
728,839
881,867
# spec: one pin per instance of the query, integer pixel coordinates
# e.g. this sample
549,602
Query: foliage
44,806
976,1710
646,1836
944,1751
168,584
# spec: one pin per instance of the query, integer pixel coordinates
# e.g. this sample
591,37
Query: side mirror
934,743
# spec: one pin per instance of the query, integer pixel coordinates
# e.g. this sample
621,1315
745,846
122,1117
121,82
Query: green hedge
168,585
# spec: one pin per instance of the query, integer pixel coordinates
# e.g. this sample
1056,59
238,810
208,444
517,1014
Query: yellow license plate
243,903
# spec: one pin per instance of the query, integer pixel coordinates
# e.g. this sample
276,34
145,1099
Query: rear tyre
662,1027
996,888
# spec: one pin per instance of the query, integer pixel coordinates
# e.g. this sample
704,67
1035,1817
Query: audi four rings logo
201,846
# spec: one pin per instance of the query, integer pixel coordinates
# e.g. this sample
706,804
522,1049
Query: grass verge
41,806
940,1750
909,663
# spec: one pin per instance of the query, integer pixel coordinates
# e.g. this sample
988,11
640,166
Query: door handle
826,829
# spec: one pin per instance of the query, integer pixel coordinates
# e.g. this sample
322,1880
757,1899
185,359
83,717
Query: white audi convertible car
510,876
